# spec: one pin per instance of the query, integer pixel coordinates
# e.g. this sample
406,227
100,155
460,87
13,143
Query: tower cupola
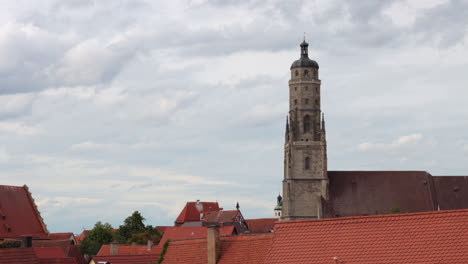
304,61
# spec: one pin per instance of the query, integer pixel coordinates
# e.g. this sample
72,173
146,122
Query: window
295,88
306,124
297,73
307,163
315,73
306,101
306,73
306,88
295,101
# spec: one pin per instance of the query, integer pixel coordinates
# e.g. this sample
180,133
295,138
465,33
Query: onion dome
304,61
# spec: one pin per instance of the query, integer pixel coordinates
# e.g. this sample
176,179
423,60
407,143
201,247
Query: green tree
134,231
101,234
150,233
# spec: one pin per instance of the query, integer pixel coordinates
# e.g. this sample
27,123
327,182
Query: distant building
311,191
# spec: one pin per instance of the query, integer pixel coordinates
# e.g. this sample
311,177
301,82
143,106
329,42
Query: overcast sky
107,107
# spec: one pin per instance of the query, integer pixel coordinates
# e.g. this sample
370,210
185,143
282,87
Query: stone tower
305,182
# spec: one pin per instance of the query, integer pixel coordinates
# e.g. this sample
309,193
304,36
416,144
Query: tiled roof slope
128,259
262,225
245,249
355,193
18,214
18,256
431,237
189,232
192,251
224,216
192,211
58,261
49,252
129,250
62,236
452,192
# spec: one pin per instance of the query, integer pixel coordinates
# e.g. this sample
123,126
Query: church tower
305,183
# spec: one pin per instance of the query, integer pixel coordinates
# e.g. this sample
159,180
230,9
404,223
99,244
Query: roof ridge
33,204
372,217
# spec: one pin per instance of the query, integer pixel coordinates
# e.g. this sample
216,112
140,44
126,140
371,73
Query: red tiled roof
262,225
61,236
246,249
49,252
66,246
18,256
128,259
189,232
81,236
161,229
18,214
224,216
187,251
431,237
129,250
192,211
63,244
57,261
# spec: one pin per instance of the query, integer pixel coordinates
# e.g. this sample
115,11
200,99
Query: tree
150,233
101,234
134,231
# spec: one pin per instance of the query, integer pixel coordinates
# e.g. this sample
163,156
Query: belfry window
297,73
306,73
306,124
307,163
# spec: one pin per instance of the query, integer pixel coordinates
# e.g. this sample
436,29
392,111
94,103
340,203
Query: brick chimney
26,241
149,245
114,248
214,244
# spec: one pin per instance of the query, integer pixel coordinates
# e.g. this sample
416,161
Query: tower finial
237,206
304,36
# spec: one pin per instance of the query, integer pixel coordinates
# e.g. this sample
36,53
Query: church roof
380,192
430,237
452,192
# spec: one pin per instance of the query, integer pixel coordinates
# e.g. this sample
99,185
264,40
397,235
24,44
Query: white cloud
4,157
18,128
404,13
400,142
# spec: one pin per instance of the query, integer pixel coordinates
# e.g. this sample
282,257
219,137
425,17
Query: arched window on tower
306,124
307,163
297,73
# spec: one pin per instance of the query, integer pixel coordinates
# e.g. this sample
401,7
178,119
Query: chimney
114,248
149,245
26,241
214,244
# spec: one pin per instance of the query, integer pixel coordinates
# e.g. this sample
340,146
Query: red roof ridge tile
372,217
33,203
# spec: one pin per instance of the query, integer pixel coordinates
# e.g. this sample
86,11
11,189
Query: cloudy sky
107,107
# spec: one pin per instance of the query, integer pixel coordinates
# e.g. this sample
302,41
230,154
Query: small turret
279,206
